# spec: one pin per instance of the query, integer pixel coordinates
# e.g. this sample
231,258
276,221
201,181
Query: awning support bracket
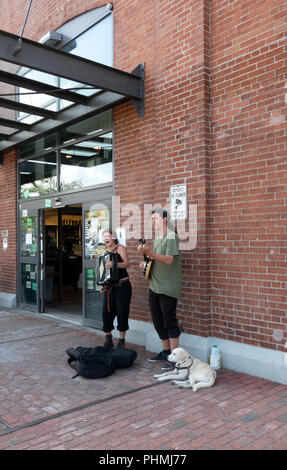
139,104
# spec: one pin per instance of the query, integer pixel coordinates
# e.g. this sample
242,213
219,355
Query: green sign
48,203
90,273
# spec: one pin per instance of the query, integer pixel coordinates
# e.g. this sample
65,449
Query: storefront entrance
57,260
63,288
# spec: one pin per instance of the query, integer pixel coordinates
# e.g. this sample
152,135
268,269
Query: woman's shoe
121,343
108,342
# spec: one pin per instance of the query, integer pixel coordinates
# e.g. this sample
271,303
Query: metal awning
106,88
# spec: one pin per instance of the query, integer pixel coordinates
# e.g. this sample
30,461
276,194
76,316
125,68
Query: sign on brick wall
178,202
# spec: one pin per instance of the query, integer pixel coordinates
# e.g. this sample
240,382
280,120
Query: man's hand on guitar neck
147,251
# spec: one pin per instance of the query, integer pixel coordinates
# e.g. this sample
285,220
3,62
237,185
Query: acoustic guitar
146,271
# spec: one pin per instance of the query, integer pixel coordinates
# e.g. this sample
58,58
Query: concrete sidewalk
42,407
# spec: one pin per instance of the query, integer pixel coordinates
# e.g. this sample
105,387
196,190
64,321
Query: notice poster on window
95,223
29,239
91,234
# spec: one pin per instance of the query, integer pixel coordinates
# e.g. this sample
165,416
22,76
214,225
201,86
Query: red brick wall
8,221
248,232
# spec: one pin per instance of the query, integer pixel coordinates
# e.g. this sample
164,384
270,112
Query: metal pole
19,44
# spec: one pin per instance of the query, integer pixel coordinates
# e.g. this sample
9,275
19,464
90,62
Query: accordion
105,275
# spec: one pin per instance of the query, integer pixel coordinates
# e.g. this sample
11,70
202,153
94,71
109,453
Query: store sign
178,202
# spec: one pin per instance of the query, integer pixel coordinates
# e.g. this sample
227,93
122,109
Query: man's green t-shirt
166,278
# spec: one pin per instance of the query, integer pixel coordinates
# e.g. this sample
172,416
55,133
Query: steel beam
56,62
39,87
14,124
26,108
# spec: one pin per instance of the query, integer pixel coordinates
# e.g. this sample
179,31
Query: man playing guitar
164,284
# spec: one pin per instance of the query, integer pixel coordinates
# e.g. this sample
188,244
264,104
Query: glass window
37,146
96,221
98,123
28,237
95,44
86,163
29,284
38,176
82,163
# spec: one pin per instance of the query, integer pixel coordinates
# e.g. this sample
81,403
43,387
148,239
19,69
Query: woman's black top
122,272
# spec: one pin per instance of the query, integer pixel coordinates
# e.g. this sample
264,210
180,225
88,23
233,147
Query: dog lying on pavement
189,372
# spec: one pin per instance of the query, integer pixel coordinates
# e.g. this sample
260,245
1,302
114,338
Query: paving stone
250,417
177,425
3,426
283,418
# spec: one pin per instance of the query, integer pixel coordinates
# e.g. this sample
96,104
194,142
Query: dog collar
187,367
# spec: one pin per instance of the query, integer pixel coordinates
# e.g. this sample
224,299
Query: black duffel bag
99,362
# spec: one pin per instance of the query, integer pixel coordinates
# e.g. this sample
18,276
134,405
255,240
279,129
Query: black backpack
99,362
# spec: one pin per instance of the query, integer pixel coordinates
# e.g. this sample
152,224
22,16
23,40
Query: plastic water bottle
215,358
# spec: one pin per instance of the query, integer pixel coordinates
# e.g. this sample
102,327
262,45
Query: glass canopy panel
40,100
3,129
7,114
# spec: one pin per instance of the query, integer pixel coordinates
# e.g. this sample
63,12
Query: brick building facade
215,120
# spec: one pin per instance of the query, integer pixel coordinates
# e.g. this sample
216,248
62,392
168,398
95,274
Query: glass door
96,219
31,260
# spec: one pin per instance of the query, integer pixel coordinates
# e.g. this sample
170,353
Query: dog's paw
176,382
179,384
156,376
